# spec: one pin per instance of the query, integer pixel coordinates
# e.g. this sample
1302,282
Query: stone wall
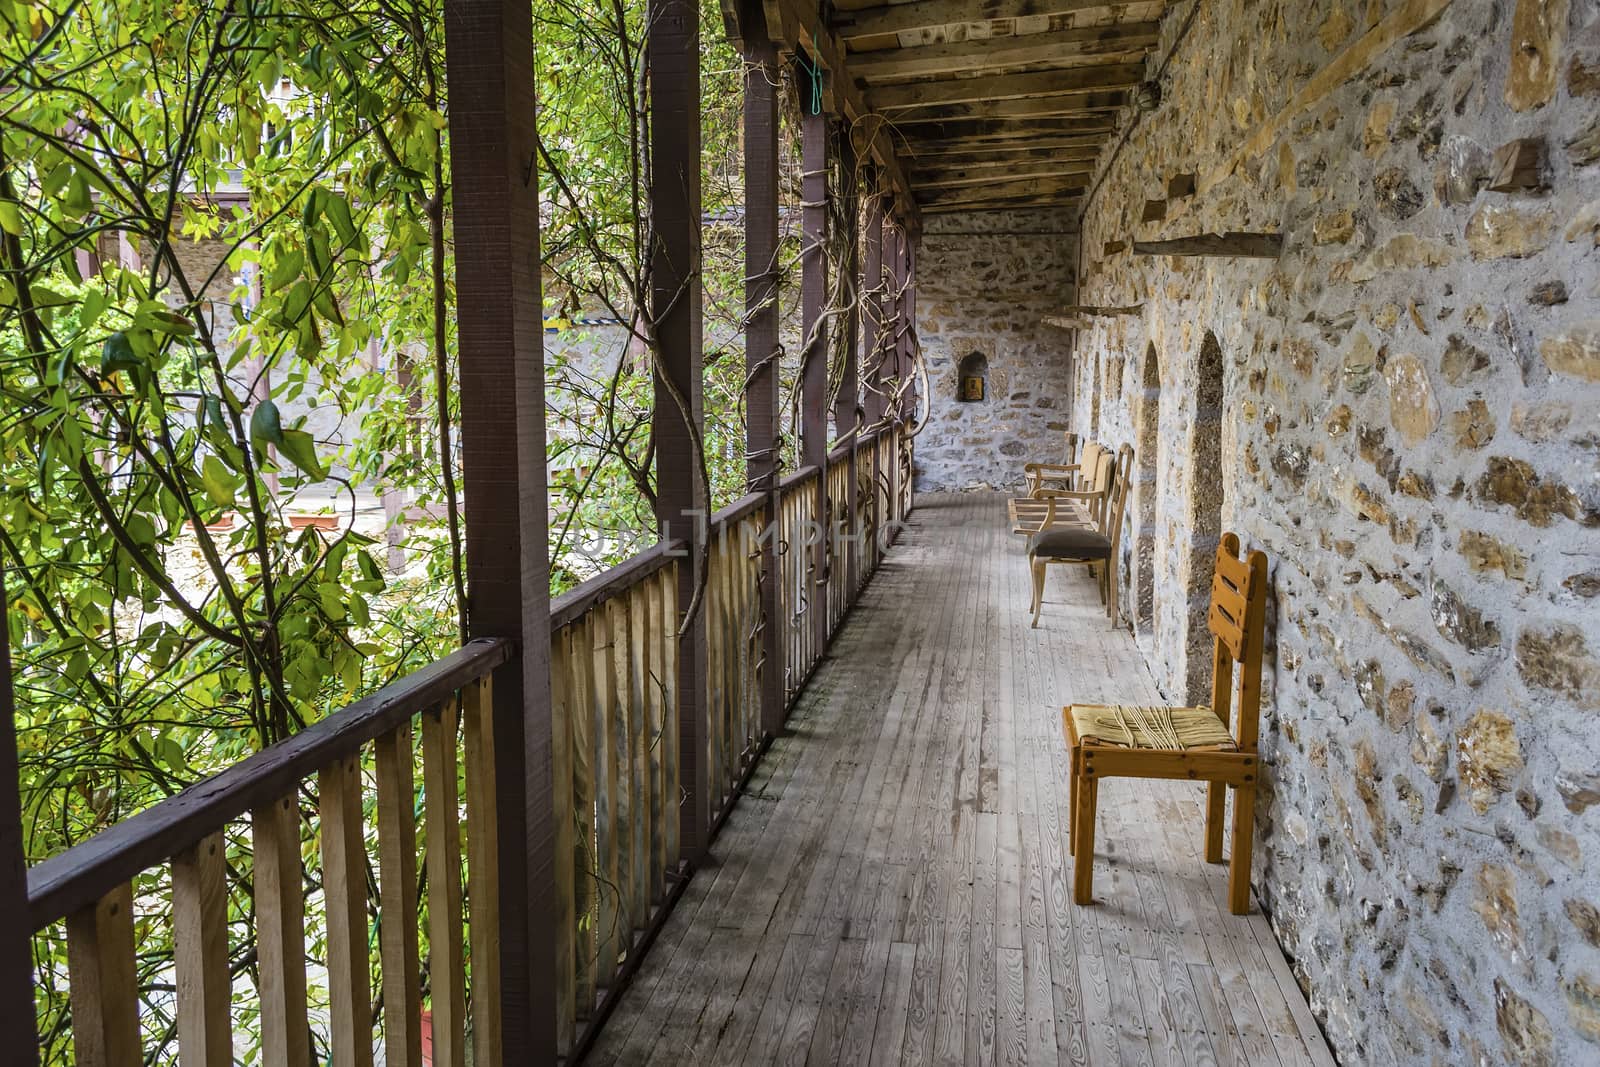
986,282
1401,411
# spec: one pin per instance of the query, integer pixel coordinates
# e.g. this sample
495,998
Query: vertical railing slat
483,872
561,789
200,954
603,712
655,719
105,989
671,787
397,899
645,872
280,934
344,899
578,659
442,810
621,756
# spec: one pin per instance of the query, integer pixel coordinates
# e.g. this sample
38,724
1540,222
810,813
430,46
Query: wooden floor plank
894,885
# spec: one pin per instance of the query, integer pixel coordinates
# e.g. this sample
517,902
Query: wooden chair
1031,513
1109,741
1090,540
1066,474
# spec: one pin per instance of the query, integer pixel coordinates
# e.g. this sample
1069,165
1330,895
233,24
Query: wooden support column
16,944
814,355
890,358
489,56
847,403
673,54
762,432
872,311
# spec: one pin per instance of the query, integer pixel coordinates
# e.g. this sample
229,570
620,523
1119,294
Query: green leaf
221,485
287,269
300,448
266,427
118,354
296,302
10,217
338,211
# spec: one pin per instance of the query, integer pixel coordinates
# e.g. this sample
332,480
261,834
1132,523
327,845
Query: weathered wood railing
187,864
278,848
800,594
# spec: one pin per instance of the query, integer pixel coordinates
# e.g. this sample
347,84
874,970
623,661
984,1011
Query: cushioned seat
1139,726
1069,542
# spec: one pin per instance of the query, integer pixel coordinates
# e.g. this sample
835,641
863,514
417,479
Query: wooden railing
188,865
262,872
800,592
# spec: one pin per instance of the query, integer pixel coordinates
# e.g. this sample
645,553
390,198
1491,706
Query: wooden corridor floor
894,886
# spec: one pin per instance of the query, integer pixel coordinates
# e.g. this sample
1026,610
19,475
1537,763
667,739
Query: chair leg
1072,803
1038,590
1216,799
1244,825
1083,847
1111,596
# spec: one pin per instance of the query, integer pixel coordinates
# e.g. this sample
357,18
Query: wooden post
847,404
872,311
814,356
762,436
673,54
16,944
489,57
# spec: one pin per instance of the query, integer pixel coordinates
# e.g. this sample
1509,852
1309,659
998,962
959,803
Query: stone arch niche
972,378
1146,486
1205,500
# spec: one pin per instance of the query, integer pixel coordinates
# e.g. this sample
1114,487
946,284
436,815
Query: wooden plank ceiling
993,103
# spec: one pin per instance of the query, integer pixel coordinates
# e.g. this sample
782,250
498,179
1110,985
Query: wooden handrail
576,602
77,878
797,477
745,505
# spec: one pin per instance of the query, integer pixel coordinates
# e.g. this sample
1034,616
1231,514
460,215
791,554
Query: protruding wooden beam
1233,243
1070,81
931,14
1016,50
1180,186
1101,311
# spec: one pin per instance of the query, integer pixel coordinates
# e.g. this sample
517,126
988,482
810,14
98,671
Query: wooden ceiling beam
1023,188
1079,106
987,148
988,131
959,176
1014,203
999,161
792,25
1014,51
931,14
1069,81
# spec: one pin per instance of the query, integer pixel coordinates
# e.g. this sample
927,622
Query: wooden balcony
894,885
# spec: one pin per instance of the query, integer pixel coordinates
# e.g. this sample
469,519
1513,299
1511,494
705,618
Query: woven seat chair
1119,741
1089,537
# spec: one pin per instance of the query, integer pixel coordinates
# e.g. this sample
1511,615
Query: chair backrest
1116,498
1238,623
1072,447
1089,464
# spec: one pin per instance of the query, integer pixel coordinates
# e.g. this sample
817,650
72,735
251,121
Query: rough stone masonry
1403,412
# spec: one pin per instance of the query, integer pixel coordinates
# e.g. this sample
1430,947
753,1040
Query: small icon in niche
972,387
